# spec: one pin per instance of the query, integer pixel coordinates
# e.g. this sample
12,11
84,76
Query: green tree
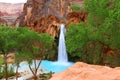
104,15
102,29
28,45
39,49
76,42
33,48
7,44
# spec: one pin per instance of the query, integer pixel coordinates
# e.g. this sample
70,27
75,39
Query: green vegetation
27,44
75,7
98,41
1,60
33,47
10,72
8,43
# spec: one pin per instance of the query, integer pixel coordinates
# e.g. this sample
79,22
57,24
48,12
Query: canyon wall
8,9
9,12
45,16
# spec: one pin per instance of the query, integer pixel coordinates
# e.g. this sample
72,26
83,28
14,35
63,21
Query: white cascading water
62,54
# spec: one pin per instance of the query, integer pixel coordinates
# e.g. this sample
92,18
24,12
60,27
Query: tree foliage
75,7
27,44
33,47
8,43
94,41
104,15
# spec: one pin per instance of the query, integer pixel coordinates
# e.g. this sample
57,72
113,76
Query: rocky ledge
83,71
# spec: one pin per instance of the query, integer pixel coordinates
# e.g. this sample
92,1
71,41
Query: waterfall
62,54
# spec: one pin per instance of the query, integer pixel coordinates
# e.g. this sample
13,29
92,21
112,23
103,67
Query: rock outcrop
3,22
83,71
45,16
76,16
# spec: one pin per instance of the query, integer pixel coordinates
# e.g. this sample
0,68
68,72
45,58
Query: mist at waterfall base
54,66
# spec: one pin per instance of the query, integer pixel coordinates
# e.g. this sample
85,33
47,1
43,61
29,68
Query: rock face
8,9
83,71
45,16
76,16
3,22
9,12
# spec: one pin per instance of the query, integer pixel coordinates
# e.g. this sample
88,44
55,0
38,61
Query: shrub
1,60
75,7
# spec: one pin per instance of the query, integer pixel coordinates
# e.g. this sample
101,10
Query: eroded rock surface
76,16
83,71
3,22
45,16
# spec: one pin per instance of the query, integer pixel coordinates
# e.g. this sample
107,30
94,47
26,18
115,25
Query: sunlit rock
83,71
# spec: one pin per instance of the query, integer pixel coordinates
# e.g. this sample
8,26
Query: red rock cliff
45,16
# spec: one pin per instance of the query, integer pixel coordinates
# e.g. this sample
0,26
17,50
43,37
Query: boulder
83,71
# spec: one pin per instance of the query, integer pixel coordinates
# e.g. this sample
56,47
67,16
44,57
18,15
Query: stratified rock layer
8,9
83,71
9,12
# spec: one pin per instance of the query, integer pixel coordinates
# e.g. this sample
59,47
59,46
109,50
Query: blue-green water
55,66
50,66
